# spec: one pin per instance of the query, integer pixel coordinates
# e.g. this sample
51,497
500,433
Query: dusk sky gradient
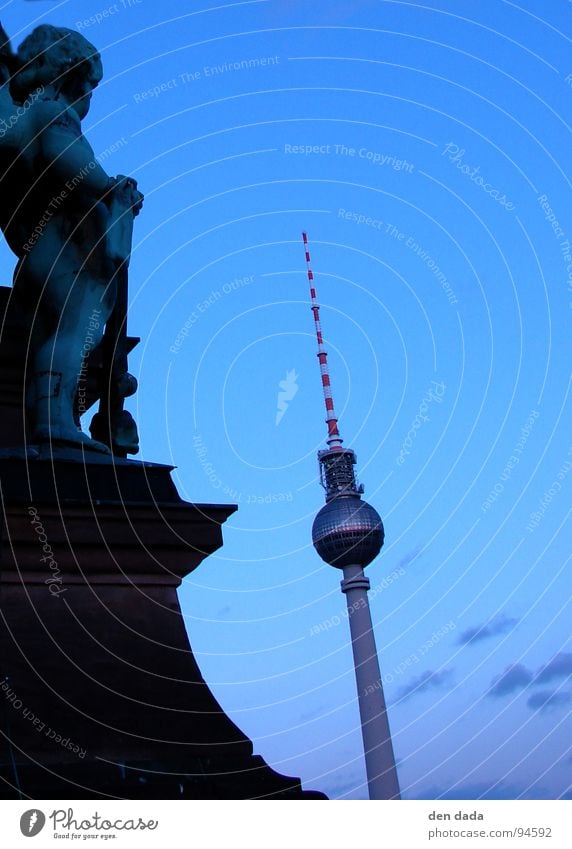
442,264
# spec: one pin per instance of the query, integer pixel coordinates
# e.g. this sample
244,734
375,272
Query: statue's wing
8,59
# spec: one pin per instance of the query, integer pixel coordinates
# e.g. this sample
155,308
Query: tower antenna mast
348,533
334,438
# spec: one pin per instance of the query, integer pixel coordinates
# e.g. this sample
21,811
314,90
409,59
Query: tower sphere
348,532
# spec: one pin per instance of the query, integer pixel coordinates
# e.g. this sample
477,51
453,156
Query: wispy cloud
546,700
513,678
517,676
346,783
499,625
312,714
430,680
410,557
559,667
488,790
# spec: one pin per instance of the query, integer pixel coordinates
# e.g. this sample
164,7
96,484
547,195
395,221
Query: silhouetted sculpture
70,225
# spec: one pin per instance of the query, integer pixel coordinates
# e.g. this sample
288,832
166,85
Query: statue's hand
126,190
137,204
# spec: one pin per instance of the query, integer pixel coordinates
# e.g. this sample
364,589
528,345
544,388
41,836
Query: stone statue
70,225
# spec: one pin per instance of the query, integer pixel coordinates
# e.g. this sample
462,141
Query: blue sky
439,250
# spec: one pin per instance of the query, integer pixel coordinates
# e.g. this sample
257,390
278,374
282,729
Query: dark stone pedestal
100,693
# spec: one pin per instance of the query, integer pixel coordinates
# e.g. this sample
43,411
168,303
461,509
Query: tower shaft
379,757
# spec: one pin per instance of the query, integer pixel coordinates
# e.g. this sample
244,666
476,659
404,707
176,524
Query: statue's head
61,58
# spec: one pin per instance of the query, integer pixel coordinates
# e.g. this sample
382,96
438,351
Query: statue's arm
68,154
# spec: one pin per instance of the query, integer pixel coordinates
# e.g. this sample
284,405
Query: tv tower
348,533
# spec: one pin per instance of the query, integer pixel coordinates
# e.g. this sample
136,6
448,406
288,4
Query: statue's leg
61,356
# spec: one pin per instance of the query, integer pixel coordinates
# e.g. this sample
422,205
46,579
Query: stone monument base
100,694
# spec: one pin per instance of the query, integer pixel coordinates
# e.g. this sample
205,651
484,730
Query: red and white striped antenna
334,439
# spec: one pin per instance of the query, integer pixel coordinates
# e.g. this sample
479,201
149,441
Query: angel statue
70,224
